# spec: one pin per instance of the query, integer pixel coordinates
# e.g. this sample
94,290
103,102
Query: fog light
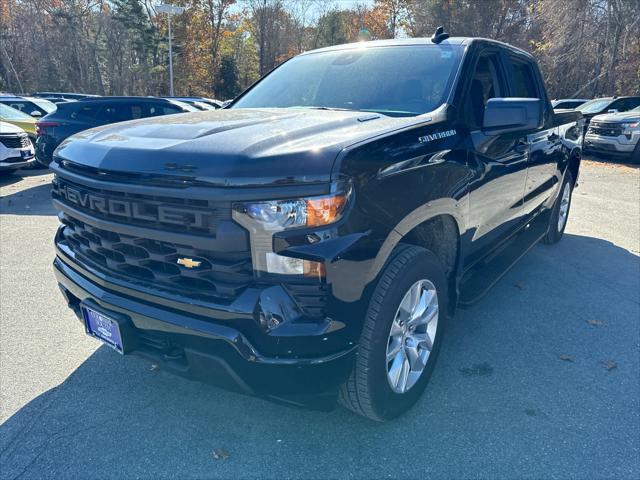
282,265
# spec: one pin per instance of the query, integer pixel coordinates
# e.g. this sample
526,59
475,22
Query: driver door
500,163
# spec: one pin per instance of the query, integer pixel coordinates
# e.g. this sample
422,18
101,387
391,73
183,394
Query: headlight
633,125
281,215
264,218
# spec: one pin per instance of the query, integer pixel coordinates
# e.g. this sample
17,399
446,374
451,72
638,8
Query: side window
634,102
85,113
156,110
487,82
117,112
624,104
523,83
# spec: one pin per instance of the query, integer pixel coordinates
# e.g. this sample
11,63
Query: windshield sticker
436,136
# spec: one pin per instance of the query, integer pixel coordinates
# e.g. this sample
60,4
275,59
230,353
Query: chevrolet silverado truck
615,134
311,241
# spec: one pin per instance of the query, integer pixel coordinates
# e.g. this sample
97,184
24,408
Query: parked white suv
615,134
16,149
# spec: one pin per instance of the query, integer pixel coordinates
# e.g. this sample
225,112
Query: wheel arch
435,229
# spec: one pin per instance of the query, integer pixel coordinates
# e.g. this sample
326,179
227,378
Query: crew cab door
545,146
499,162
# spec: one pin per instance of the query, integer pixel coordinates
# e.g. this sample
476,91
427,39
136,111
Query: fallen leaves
566,358
220,454
609,365
520,286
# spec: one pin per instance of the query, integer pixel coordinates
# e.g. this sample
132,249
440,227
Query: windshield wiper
315,107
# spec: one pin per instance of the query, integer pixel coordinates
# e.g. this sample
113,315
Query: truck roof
417,41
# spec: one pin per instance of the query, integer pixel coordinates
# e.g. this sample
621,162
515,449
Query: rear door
76,118
500,161
120,111
545,147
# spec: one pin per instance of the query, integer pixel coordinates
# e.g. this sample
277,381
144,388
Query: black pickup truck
312,240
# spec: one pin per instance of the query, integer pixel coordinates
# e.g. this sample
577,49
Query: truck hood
235,147
620,117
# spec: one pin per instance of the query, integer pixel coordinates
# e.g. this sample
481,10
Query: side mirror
505,115
612,110
35,114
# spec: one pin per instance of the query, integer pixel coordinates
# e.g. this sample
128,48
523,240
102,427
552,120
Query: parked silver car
615,134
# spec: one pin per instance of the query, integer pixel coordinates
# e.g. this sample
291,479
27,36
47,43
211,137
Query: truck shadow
34,200
501,398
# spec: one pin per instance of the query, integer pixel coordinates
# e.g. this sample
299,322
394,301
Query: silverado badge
188,262
436,136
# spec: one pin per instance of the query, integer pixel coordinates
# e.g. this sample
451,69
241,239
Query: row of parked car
31,127
611,125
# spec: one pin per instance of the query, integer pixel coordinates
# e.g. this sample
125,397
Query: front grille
160,212
605,129
155,263
15,141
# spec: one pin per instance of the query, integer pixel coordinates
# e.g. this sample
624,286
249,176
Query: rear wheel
560,212
401,336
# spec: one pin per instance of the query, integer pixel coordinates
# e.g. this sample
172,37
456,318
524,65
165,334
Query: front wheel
401,336
635,156
560,212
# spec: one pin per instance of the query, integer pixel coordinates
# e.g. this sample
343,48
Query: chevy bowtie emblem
188,262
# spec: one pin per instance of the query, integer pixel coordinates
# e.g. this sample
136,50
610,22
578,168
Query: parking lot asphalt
541,379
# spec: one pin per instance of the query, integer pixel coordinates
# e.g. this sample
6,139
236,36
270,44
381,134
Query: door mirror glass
505,115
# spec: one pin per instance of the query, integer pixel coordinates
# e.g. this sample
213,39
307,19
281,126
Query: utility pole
170,10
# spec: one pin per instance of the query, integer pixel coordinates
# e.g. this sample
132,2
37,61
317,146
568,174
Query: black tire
635,156
555,233
367,392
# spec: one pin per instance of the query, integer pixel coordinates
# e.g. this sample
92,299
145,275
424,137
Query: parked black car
73,117
598,106
33,106
314,238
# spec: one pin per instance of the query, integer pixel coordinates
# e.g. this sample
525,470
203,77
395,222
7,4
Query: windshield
396,81
8,113
593,106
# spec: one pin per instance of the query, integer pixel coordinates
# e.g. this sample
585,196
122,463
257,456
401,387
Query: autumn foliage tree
119,47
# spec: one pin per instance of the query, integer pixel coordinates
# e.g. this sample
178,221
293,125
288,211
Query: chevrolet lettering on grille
126,208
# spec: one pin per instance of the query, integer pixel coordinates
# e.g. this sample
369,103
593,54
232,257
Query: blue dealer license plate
103,328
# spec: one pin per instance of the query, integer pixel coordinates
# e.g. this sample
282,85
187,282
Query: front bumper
15,165
613,145
14,158
208,345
